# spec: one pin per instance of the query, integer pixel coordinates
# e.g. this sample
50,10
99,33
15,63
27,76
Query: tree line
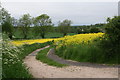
42,24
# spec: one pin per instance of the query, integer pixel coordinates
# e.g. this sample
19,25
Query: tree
113,29
64,27
8,29
111,39
79,30
6,23
42,24
94,30
14,21
108,19
24,23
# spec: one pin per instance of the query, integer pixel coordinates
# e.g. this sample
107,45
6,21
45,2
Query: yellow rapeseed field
80,38
22,42
75,39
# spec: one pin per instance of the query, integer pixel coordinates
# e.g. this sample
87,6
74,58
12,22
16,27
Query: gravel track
74,70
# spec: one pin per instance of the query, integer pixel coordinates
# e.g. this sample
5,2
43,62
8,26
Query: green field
31,35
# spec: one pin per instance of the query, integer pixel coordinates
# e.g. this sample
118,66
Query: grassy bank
12,63
43,58
82,53
84,48
27,49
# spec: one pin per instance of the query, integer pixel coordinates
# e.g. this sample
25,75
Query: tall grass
28,48
12,64
86,53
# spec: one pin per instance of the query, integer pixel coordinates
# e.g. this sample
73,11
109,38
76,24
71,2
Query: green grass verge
43,58
86,53
28,48
18,70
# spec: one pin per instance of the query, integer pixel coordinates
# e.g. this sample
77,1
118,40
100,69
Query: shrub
12,66
111,42
113,30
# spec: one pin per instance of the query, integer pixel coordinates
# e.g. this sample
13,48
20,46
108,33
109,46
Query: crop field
76,39
22,42
80,47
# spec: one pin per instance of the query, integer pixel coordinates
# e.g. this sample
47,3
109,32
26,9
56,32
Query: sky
59,0
80,12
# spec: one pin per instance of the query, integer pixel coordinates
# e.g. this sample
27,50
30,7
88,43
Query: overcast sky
80,11
59,0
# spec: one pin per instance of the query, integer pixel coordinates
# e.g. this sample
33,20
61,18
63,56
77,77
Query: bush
111,42
8,29
111,53
12,64
113,30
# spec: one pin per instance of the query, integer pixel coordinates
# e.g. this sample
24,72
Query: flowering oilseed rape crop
22,42
67,40
79,47
77,39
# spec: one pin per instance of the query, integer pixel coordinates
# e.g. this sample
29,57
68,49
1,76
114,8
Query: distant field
22,42
56,35
32,35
